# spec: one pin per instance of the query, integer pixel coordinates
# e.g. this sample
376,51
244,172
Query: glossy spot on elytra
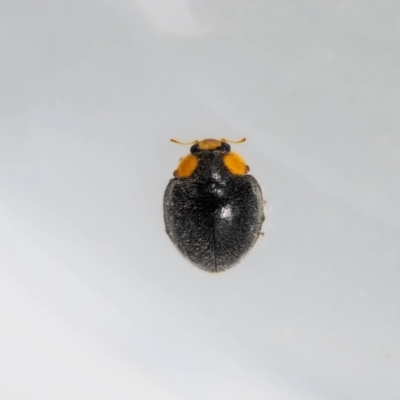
226,213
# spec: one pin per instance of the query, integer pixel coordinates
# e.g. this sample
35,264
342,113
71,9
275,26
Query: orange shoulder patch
186,167
235,164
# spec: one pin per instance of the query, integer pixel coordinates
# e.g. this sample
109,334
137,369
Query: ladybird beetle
213,210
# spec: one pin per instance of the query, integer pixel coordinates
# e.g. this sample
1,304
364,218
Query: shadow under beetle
213,210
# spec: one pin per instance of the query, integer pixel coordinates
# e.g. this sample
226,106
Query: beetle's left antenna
177,141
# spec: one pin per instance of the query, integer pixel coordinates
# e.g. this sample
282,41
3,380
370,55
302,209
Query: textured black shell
213,217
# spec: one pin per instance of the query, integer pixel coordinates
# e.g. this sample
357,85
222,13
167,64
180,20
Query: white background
95,302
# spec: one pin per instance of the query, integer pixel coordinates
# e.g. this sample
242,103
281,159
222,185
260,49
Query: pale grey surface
95,302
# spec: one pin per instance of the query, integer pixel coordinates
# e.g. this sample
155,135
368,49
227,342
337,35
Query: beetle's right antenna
233,141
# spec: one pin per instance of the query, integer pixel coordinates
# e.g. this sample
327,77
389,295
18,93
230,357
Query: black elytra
213,210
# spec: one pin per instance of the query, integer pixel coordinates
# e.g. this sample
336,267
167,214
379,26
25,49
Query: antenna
233,141
177,141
